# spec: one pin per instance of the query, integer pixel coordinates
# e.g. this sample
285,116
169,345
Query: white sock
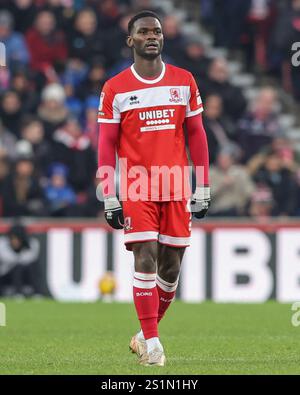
140,335
153,343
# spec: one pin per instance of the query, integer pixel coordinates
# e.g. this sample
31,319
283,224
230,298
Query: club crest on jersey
175,95
127,223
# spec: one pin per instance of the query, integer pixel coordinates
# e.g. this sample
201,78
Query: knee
170,272
145,264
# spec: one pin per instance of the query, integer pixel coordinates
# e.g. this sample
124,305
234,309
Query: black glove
200,202
113,212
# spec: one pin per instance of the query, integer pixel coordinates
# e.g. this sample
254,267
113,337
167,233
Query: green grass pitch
47,337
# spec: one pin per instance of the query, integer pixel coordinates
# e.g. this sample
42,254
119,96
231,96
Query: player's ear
129,42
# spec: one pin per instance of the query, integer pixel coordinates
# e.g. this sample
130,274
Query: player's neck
148,68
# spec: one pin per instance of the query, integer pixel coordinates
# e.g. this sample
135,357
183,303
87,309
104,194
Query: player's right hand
200,202
113,212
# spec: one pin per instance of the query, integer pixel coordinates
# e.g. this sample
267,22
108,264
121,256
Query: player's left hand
200,202
113,212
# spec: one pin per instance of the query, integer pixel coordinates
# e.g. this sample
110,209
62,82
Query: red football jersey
151,144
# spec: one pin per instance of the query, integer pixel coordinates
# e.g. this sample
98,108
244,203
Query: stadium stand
59,54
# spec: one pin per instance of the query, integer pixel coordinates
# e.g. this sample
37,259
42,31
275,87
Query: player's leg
174,237
169,263
141,233
146,300
145,293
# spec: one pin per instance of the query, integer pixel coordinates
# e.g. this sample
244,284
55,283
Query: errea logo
134,100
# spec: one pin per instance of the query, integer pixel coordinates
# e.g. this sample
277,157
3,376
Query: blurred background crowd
59,54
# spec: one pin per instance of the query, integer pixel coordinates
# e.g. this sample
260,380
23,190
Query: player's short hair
142,14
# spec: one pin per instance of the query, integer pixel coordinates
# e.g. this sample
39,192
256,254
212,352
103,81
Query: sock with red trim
166,293
146,302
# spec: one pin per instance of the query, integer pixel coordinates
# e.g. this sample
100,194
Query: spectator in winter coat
19,256
73,148
11,112
21,192
59,195
218,82
7,142
231,186
85,41
52,110
260,125
219,130
15,46
47,45
281,181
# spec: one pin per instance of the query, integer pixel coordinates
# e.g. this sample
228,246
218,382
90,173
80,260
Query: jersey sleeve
108,111
194,106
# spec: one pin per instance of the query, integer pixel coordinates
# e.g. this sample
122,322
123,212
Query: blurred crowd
265,31
59,54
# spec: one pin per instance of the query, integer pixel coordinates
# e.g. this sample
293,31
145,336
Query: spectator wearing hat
19,259
59,195
52,110
15,45
231,186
